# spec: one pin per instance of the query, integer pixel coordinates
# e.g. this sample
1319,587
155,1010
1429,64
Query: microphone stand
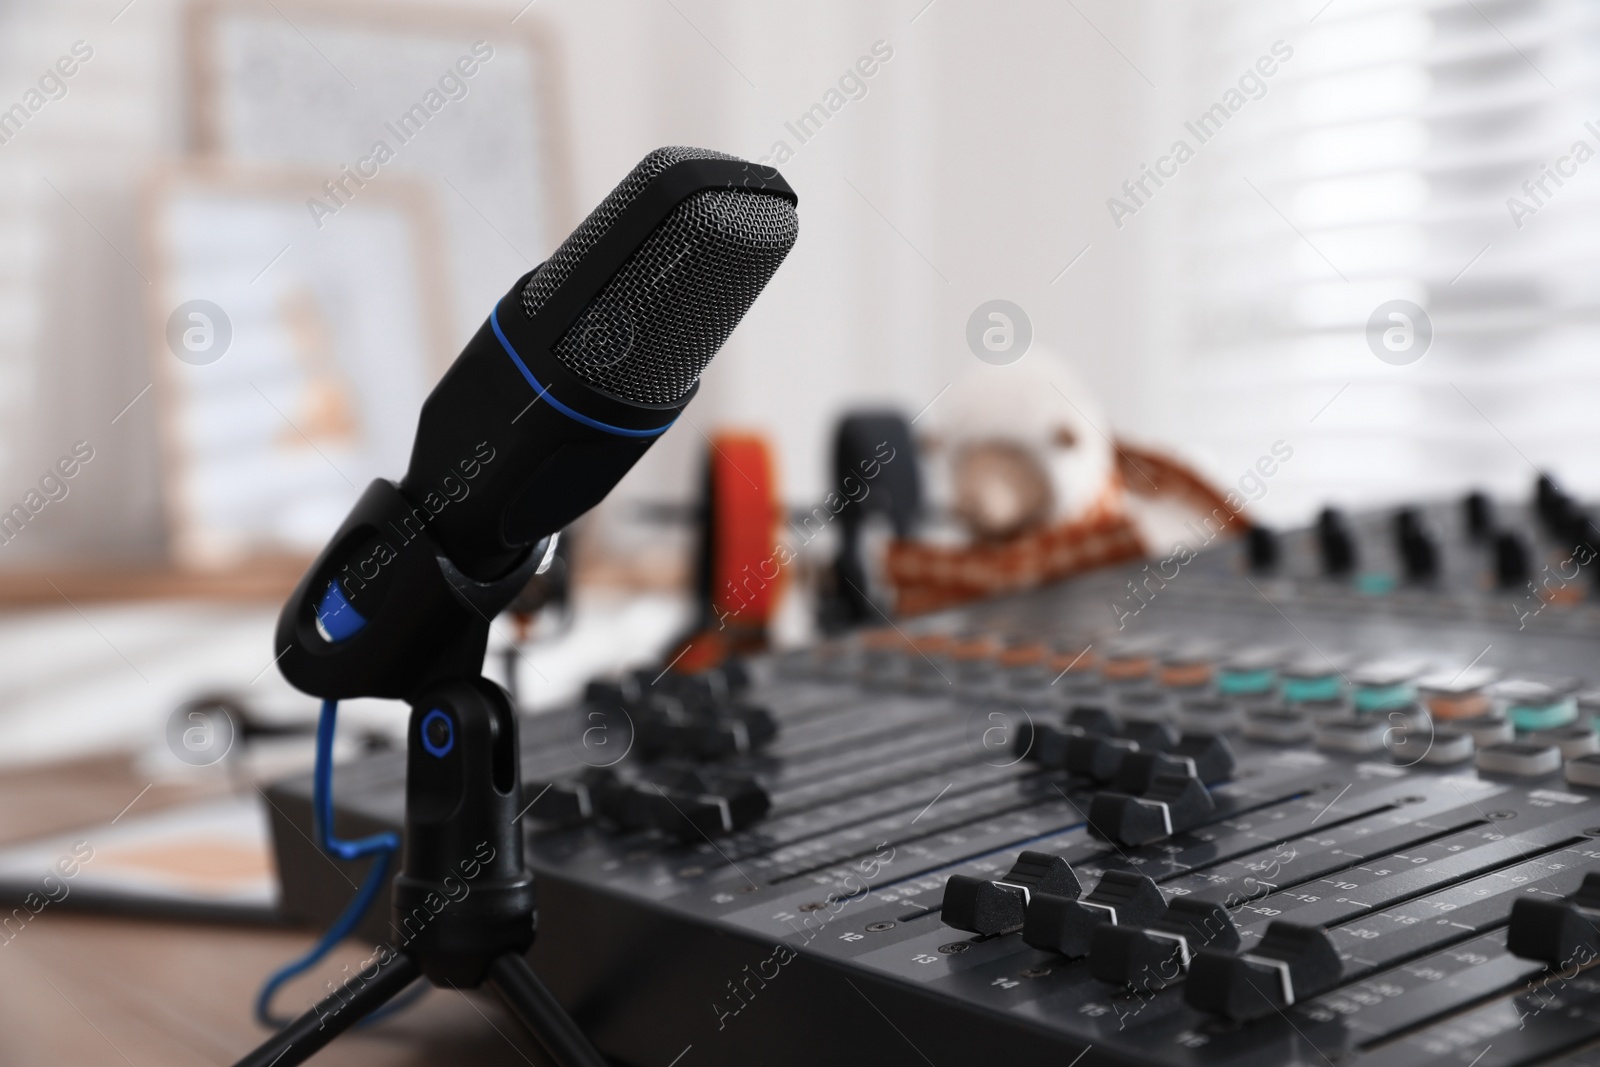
464,899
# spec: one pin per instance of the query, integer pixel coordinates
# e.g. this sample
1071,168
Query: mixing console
1329,797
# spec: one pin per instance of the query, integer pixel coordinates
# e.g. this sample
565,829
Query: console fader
1330,796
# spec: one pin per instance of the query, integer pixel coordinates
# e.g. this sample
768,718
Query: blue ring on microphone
438,751
620,431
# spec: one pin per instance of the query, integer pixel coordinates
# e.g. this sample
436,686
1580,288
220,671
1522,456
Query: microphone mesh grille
653,328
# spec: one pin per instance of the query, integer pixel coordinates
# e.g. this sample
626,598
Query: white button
1485,731
1212,718
1281,727
1572,740
1326,710
1359,736
1449,746
1521,759
1585,770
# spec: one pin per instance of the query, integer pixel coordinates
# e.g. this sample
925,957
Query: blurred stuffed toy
1019,457
1021,453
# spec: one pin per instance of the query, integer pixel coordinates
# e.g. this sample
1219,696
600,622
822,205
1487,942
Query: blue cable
382,846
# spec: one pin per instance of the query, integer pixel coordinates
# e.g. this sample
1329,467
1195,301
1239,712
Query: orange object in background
1126,667
1448,706
745,570
930,577
1185,675
739,572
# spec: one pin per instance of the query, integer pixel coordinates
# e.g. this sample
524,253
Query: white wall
975,167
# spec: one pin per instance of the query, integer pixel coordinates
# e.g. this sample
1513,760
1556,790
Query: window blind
1444,152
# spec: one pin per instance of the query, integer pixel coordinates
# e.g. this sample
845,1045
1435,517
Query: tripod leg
537,1007
334,1014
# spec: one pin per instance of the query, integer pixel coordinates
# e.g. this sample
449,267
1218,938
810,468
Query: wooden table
85,990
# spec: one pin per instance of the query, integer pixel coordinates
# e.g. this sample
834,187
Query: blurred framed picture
468,103
291,362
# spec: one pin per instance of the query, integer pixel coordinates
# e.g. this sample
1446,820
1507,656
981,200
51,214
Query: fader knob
623,803
1045,744
695,811
1150,735
1094,719
992,907
1209,754
1127,955
1096,758
1557,932
1064,925
1290,964
1140,769
1173,803
559,801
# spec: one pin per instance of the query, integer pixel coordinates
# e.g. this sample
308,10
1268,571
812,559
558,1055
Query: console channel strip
1330,796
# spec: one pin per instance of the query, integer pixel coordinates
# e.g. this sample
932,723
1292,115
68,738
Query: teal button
1383,697
1543,716
1305,690
1375,584
1236,683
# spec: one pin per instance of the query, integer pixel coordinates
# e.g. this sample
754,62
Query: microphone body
512,446
579,368
592,355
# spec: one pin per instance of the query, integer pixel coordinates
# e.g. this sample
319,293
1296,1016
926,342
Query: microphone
591,356
578,370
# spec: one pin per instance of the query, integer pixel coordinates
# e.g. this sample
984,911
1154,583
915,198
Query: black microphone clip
384,613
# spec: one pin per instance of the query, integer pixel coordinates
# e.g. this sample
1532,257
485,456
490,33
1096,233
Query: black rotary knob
1335,543
1262,549
1510,559
1478,511
1416,546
